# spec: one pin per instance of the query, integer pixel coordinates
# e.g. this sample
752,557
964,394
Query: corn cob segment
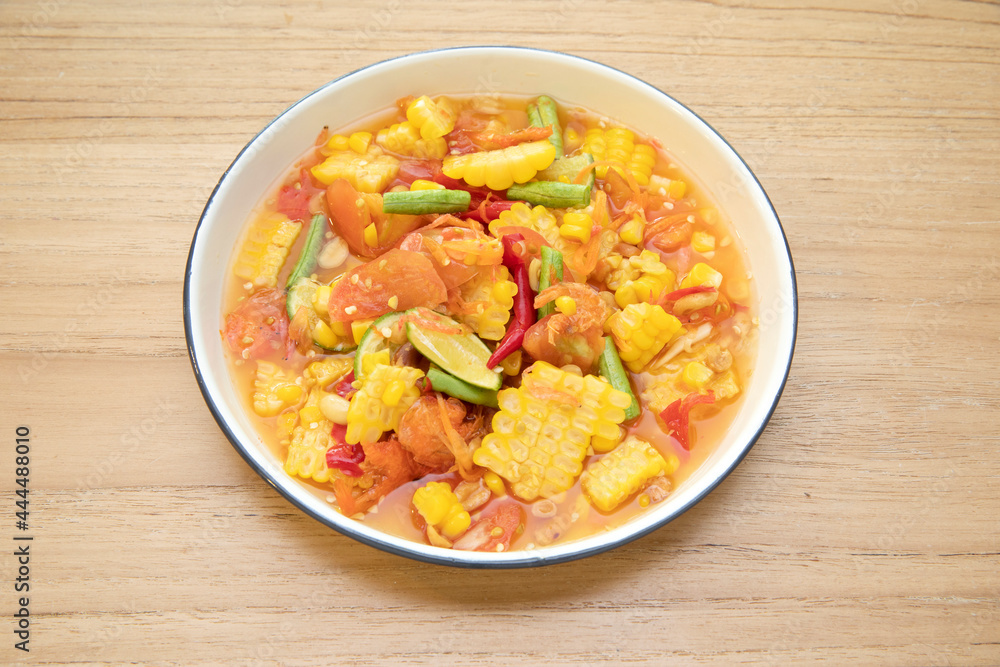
489,297
370,172
618,144
266,248
307,452
442,509
610,481
544,428
640,331
434,118
638,279
540,219
499,169
405,139
386,393
325,371
274,391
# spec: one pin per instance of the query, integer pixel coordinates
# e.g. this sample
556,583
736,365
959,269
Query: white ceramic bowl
479,71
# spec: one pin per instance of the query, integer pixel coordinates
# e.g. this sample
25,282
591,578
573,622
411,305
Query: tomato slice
293,200
368,290
350,214
484,536
412,170
258,327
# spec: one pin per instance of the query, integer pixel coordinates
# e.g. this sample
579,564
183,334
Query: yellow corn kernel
566,305
640,331
370,172
359,328
602,445
441,508
359,142
310,415
702,274
576,226
544,428
371,236
434,118
696,375
404,139
702,242
274,390
424,184
370,415
373,359
393,393
499,169
495,483
338,142
632,231
265,249
321,300
666,187
610,481
288,393
571,138
323,335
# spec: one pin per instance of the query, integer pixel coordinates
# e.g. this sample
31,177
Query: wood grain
864,527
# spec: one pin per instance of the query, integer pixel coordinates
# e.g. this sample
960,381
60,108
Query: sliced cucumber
374,340
451,385
310,251
551,194
463,355
568,167
300,295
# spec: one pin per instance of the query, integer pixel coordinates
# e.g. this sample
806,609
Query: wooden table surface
861,529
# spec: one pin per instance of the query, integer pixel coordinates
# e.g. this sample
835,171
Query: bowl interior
489,71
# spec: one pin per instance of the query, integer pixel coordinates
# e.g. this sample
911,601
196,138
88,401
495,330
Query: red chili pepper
491,211
683,292
342,456
524,301
677,415
345,387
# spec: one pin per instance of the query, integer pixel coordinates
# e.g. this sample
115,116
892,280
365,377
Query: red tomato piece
293,200
368,290
350,213
507,517
258,327
412,170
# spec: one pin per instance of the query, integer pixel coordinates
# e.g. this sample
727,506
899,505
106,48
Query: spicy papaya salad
488,323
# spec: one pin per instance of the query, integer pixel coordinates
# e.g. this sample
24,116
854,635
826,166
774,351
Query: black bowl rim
529,561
